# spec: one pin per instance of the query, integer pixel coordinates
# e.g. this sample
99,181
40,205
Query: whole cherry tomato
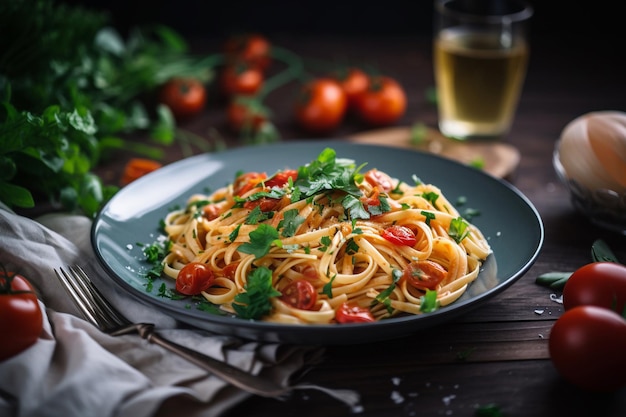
252,48
21,319
349,313
246,115
424,274
299,294
194,278
354,82
400,235
241,79
587,345
185,97
599,283
383,103
321,105
138,167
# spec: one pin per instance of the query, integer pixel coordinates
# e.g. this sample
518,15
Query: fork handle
235,376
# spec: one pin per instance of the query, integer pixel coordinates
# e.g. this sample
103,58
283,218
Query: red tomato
241,79
194,278
599,283
230,270
265,204
587,345
281,178
353,81
348,313
246,182
400,235
252,48
379,179
21,320
383,103
136,168
299,294
246,115
424,274
211,211
185,97
321,105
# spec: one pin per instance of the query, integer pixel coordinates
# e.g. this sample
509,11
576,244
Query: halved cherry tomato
321,105
379,179
252,48
349,313
599,283
230,269
299,294
265,204
246,115
21,319
185,97
281,178
383,103
194,278
211,211
138,167
400,235
587,345
246,182
241,79
353,81
424,274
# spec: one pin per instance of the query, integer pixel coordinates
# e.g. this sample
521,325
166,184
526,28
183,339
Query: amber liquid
478,83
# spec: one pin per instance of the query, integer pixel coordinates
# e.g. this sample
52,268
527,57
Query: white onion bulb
592,150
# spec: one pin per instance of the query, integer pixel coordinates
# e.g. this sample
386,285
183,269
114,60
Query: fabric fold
76,370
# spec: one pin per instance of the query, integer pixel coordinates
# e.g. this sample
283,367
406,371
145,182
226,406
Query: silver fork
97,310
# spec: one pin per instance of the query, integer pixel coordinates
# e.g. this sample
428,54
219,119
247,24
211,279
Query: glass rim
524,12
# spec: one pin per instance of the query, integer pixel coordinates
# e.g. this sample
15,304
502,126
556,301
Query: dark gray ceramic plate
507,218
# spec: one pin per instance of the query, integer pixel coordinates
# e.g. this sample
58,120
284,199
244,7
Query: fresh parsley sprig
255,302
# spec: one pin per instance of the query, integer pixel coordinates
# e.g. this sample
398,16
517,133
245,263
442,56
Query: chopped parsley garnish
325,242
255,302
261,240
428,302
328,287
233,235
383,297
429,216
431,197
256,215
290,223
458,229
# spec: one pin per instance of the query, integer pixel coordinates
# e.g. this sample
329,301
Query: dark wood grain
497,353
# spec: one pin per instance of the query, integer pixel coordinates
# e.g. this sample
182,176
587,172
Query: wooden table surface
507,338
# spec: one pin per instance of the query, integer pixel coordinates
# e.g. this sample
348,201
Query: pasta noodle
366,246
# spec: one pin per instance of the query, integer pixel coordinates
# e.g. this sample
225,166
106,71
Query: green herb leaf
261,240
600,252
428,302
290,223
255,302
458,229
554,280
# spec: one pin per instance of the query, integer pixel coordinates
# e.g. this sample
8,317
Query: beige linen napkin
76,370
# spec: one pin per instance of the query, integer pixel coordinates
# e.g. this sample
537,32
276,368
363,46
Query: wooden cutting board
497,158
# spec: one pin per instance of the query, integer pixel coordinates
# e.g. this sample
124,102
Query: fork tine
84,307
106,309
89,301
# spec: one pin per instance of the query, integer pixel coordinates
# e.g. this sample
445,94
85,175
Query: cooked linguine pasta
323,244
